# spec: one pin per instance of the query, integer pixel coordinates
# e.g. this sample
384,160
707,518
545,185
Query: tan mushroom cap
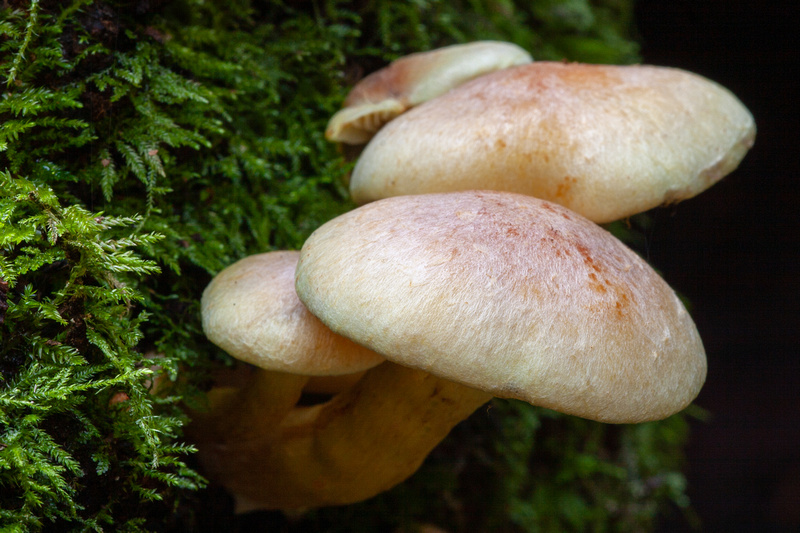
606,141
508,294
251,311
414,79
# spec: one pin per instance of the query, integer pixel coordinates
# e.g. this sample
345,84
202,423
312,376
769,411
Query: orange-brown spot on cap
564,187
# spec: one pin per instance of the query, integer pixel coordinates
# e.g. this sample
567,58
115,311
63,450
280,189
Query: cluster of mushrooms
475,267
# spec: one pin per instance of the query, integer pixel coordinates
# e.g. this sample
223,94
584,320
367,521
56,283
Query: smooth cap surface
414,79
509,294
606,141
251,311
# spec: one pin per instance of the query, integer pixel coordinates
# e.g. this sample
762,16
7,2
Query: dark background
733,251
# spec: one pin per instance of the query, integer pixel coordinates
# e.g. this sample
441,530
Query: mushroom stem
360,443
332,384
266,396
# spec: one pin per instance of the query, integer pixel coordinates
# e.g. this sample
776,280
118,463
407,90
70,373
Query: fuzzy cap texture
251,311
509,294
413,79
606,141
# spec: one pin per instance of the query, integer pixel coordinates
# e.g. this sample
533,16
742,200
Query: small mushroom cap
509,294
414,79
605,141
251,311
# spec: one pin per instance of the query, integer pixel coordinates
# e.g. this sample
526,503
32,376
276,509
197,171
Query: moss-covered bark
145,145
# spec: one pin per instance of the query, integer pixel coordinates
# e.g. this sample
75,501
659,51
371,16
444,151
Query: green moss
144,146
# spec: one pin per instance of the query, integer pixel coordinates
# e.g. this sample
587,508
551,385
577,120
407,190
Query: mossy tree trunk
144,146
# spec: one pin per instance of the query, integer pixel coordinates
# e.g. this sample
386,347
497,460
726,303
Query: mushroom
507,294
414,79
605,141
251,310
468,295
269,451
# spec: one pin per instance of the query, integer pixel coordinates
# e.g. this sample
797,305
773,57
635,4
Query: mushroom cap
250,310
509,294
414,79
605,141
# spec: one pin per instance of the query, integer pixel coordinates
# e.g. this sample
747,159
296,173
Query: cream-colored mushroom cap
508,294
606,141
414,79
251,311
